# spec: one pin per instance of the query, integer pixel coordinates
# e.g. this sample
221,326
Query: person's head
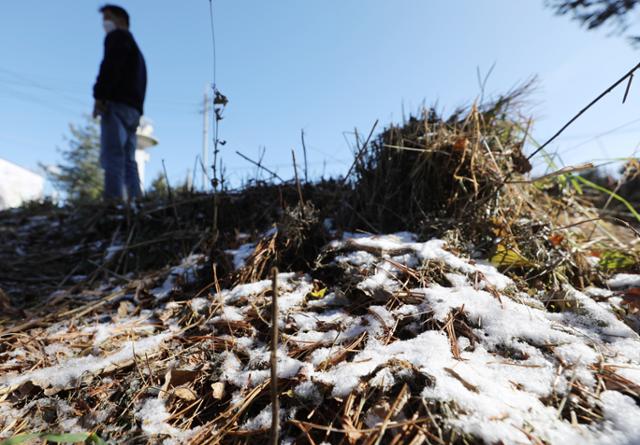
114,17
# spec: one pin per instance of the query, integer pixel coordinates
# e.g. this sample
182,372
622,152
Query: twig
275,406
216,206
562,171
360,152
109,271
564,399
397,406
584,221
332,429
170,193
581,112
295,171
304,151
626,91
509,174
204,171
629,226
259,165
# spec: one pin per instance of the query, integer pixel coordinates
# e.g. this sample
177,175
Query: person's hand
99,108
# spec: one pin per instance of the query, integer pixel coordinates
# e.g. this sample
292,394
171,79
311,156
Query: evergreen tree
80,176
159,187
596,13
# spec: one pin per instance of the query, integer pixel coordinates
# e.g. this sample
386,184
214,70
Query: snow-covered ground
509,370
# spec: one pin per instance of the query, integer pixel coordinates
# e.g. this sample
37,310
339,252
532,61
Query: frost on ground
397,331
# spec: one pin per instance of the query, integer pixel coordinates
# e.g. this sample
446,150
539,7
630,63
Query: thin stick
304,151
562,171
170,193
205,173
259,165
275,406
509,174
360,152
166,179
216,205
581,112
193,175
626,91
295,171
629,226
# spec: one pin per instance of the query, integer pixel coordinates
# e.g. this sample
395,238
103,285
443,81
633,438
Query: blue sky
323,66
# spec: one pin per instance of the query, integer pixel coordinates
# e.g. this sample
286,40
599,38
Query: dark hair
118,11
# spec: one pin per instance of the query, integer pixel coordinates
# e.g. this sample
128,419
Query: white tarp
18,185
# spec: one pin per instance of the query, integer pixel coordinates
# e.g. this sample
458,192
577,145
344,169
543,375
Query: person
119,94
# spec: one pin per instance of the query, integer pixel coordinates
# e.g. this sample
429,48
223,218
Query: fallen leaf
185,393
177,377
556,239
318,293
125,308
218,390
506,256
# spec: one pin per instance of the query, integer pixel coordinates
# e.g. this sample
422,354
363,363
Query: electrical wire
73,95
593,138
626,77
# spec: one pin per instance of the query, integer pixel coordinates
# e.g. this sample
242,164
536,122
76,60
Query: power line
36,100
599,135
628,75
23,81
74,95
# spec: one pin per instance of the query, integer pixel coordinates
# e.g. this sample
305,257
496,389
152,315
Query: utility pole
205,138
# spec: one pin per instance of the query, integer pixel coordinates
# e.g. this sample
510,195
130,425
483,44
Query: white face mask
108,26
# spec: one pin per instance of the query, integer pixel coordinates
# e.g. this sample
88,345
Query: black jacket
123,72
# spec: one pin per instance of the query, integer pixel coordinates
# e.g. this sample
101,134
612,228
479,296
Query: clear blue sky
323,66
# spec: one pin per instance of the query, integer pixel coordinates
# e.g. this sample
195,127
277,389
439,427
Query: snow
432,250
186,271
233,372
246,290
230,313
515,356
500,395
18,185
72,370
199,304
102,332
621,413
260,422
623,280
154,417
308,391
241,254
112,251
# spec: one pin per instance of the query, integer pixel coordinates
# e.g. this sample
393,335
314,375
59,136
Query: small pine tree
159,187
80,176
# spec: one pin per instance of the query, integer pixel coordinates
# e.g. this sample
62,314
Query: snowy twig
274,361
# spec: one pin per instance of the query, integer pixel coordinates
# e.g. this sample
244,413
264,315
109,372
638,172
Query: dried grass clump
447,169
464,178
298,237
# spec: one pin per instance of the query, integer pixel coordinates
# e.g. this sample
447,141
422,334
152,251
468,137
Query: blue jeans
118,127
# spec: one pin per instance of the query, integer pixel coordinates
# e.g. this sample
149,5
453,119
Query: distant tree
79,176
595,14
159,187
